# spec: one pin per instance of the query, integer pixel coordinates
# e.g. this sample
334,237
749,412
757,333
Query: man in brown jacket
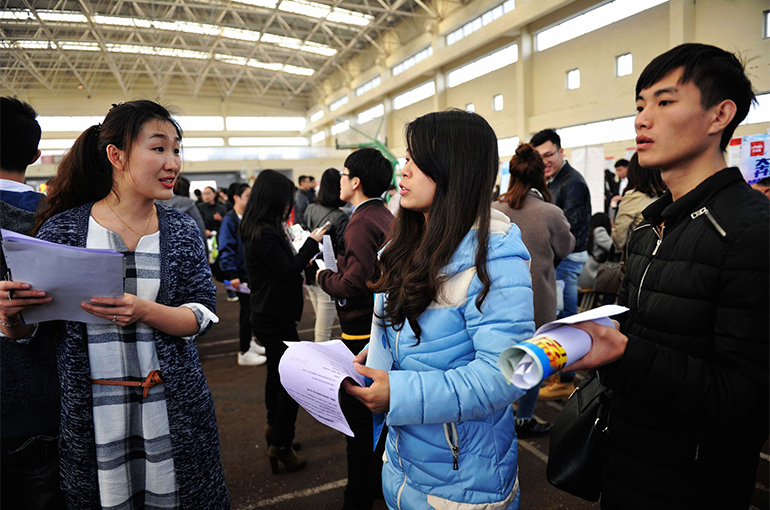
366,176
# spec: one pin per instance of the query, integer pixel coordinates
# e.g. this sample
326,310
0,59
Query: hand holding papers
68,275
330,261
243,288
554,346
312,374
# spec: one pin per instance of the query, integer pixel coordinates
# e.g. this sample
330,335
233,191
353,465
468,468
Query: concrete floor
239,398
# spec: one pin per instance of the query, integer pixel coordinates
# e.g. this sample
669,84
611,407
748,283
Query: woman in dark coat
275,279
138,426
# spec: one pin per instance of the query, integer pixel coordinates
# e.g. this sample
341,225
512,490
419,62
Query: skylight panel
340,127
318,137
573,79
188,27
507,146
316,116
597,133
371,114
268,141
483,20
315,10
296,44
67,123
265,123
56,144
759,112
203,142
267,4
158,52
412,60
339,103
624,65
410,97
366,87
484,65
497,103
201,123
591,20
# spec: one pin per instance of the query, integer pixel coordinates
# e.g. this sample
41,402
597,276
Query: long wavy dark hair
329,191
458,151
270,204
527,172
85,173
646,180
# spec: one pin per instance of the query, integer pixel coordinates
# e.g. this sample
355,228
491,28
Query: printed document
312,374
67,274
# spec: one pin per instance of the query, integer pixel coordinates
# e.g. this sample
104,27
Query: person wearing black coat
275,280
689,367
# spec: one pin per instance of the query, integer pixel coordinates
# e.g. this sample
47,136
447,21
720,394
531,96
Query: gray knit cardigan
185,277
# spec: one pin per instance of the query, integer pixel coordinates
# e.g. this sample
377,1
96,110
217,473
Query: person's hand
318,234
614,201
16,297
608,345
208,233
377,396
361,357
217,216
235,283
121,311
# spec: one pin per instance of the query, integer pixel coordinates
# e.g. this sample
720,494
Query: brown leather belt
153,379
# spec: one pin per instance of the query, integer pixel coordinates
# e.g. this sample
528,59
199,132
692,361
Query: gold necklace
129,226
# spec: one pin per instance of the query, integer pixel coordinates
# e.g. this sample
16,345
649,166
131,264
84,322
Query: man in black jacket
570,193
689,365
29,386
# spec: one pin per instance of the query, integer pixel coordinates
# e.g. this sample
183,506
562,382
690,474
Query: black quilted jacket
570,193
691,412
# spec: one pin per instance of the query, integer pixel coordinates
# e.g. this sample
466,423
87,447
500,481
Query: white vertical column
681,20
523,85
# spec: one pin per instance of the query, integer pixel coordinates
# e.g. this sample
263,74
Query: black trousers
281,408
30,474
364,464
244,324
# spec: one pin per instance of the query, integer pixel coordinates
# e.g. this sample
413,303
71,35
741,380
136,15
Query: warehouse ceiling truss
275,52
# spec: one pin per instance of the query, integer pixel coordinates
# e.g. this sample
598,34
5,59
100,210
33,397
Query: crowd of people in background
432,266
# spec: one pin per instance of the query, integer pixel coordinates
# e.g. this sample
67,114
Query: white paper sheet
312,374
330,261
67,274
243,288
554,346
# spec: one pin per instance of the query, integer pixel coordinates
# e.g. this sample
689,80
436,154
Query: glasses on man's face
551,154
343,174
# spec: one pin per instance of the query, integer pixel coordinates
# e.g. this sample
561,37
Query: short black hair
374,170
236,189
621,162
19,134
718,74
302,179
182,186
546,135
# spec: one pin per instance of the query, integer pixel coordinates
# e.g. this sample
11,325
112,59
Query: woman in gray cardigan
138,427
545,232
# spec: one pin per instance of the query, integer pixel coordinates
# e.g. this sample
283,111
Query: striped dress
133,443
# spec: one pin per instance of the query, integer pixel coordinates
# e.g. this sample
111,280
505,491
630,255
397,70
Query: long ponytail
84,175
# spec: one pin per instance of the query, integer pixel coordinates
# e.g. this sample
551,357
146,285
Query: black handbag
576,456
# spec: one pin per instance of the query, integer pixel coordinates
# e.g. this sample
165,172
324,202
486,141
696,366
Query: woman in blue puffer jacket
453,292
